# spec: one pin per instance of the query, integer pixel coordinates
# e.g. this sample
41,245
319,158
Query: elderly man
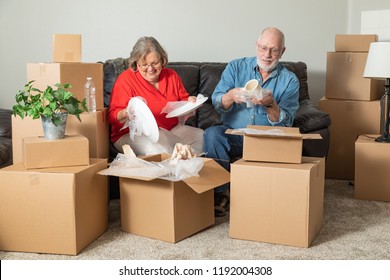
277,108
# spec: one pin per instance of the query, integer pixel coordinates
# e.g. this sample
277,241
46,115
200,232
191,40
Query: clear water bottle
90,94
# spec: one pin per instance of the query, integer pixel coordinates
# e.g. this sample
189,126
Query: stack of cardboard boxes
351,100
51,199
276,194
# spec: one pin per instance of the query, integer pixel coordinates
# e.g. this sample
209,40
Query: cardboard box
272,144
372,169
170,211
349,120
354,42
45,74
276,202
55,210
41,153
94,126
344,78
67,48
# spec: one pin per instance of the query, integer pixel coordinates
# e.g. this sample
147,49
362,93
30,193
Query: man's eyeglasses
146,66
264,49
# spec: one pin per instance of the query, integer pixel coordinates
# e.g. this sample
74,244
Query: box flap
211,176
312,136
267,131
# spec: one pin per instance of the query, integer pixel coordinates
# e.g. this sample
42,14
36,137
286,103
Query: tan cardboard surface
277,203
170,211
67,48
344,78
94,126
274,144
45,74
41,153
349,120
53,210
372,169
354,42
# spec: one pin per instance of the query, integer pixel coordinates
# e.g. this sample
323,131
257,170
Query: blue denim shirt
283,84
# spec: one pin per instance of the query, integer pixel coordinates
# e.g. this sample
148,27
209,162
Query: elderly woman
148,78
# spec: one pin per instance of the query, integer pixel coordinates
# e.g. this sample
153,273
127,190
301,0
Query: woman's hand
122,116
192,99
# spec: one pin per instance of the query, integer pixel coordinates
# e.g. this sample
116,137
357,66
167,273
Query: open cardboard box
272,143
166,210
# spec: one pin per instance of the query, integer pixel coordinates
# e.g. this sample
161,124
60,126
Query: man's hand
267,100
231,97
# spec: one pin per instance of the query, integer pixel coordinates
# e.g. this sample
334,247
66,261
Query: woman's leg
143,146
190,135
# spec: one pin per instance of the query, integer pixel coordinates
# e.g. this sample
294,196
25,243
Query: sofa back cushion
300,70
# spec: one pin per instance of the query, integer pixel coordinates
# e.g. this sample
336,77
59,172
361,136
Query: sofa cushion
309,118
300,70
5,123
210,74
5,151
189,75
112,68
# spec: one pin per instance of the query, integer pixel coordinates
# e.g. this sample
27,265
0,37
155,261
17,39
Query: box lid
19,167
272,132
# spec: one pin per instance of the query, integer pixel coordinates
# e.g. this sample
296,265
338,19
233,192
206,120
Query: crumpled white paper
133,167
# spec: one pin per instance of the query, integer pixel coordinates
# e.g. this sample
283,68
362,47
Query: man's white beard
267,68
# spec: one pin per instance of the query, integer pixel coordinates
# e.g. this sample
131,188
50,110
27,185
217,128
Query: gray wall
200,30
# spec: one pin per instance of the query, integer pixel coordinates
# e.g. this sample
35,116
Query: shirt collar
275,71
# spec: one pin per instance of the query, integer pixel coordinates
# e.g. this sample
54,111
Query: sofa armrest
5,123
310,118
5,137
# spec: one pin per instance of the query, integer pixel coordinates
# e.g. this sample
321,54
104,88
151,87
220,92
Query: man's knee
213,132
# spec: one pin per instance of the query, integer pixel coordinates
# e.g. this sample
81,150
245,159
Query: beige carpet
353,229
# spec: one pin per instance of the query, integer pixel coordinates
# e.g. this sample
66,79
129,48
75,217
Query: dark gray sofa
202,77
5,137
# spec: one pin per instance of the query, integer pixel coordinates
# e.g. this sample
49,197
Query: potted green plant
51,105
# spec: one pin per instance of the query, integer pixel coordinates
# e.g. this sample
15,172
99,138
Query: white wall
190,30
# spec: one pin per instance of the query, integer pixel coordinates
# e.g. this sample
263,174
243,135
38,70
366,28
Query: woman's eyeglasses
146,66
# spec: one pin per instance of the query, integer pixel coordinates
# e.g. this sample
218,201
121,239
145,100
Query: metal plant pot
52,132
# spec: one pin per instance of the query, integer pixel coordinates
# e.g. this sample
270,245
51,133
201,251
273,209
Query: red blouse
130,83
